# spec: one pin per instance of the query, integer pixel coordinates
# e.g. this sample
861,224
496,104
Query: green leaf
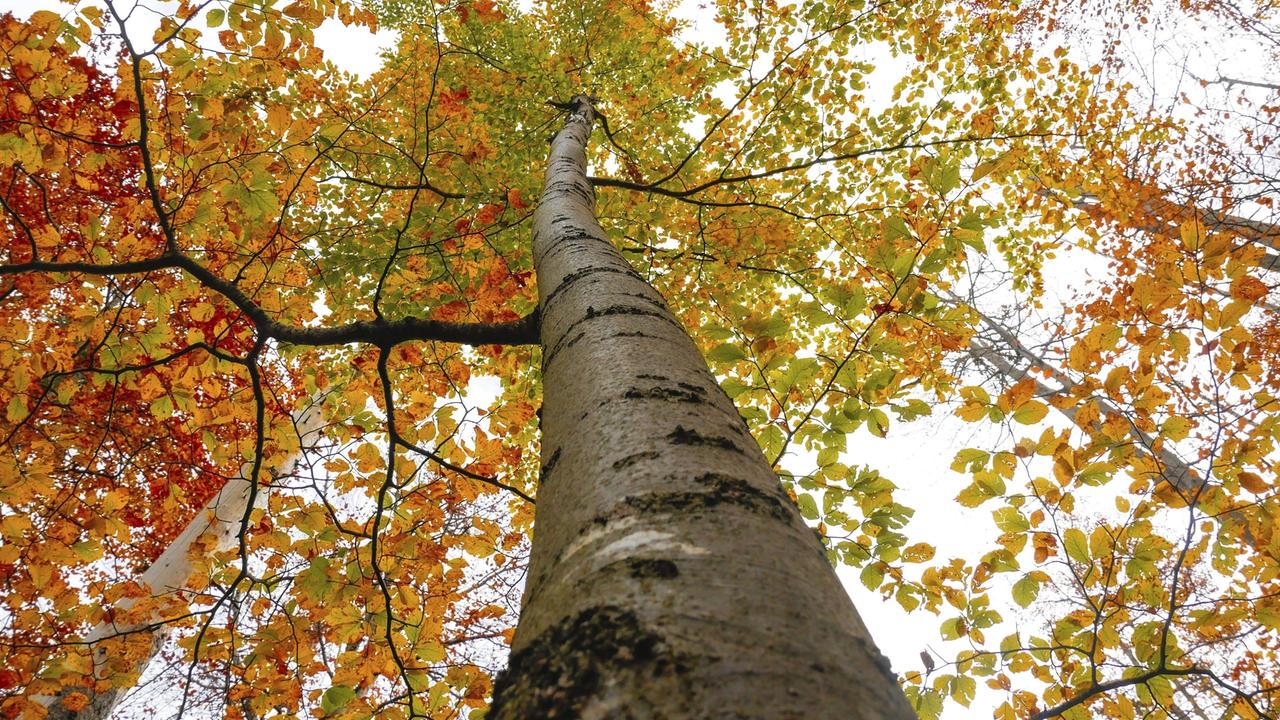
1031,412
926,703
773,326
726,353
945,178
903,264
963,689
1095,473
990,482
1268,614
1010,643
1139,567
336,698
972,495
162,407
872,575
1076,545
808,506
827,456
895,227
1176,428
87,550
430,653
877,422
970,459
215,17
1026,590
314,581
952,628
1011,520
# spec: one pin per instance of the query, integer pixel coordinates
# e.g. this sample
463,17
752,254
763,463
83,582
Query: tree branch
657,189
381,333
1101,688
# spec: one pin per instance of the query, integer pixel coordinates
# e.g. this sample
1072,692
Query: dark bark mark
577,275
635,333
562,670
651,568
566,227
634,458
566,342
721,490
593,313
572,246
685,436
656,302
576,242
549,466
563,344
565,188
683,393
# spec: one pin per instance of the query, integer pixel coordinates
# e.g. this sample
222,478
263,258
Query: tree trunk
218,523
671,576
1175,470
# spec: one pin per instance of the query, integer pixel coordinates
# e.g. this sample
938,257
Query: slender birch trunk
1177,471
216,527
671,575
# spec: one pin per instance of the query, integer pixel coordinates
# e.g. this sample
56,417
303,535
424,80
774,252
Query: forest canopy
271,367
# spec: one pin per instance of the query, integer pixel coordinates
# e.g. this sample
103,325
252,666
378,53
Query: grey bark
671,576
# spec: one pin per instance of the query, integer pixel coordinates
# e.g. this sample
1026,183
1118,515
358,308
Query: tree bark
671,575
218,523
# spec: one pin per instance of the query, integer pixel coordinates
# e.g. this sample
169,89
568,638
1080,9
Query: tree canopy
226,258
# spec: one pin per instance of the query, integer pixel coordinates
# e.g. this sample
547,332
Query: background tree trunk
671,575
219,523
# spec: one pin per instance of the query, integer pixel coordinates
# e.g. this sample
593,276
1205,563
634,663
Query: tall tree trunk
218,523
671,575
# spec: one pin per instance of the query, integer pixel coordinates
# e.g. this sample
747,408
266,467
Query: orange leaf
1248,288
1251,482
514,199
75,702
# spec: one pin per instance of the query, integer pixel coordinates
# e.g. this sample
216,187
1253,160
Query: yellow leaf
17,409
1175,428
202,312
279,119
40,575
1192,234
